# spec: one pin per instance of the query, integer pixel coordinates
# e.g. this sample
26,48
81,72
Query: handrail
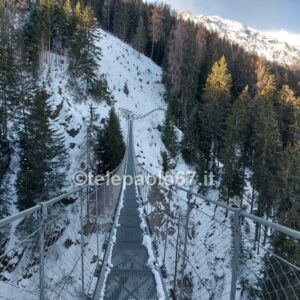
29,211
149,113
19,215
280,228
283,229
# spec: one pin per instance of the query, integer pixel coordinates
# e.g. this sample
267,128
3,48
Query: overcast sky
265,15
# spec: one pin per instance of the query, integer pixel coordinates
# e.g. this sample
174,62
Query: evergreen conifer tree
43,156
169,135
121,19
235,151
216,104
166,162
287,213
288,107
266,145
110,144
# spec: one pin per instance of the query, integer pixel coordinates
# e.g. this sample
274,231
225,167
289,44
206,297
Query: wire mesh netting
269,264
66,238
209,252
75,230
19,258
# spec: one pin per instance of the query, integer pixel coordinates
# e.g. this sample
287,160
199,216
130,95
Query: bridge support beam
236,253
82,243
43,216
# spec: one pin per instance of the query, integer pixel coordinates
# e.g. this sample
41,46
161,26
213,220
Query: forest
239,114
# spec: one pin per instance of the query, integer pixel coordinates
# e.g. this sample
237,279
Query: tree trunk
242,190
252,201
152,49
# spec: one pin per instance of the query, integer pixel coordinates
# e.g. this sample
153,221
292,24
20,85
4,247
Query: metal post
43,217
87,204
81,242
167,225
189,198
236,254
97,223
177,254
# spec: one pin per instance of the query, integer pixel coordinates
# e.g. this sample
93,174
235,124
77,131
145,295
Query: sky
279,18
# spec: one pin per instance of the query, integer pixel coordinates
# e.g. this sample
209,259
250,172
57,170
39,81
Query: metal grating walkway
130,278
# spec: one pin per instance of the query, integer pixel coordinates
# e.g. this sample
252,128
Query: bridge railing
51,251
33,247
208,250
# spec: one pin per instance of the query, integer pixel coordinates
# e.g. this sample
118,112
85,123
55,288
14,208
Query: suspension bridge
129,241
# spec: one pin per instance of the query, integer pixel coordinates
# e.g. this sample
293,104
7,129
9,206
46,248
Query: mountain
252,40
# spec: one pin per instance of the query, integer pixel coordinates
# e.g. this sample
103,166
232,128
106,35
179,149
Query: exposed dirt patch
57,111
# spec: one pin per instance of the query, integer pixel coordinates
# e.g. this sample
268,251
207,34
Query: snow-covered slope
120,64
253,41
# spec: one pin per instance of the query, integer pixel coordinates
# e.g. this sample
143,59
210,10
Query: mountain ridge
252,40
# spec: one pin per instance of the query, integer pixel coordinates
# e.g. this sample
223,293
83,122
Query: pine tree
77,11
47,18
67,8
8,68
66,29
32,36
216,104
190,142
169,136
110,144
288,107
266,145
121,19
287,213
126,89
43,156
235,152
166,162
140,41
83,51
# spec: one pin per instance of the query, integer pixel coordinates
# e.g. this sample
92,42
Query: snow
109,264
152,260
274,46
290,38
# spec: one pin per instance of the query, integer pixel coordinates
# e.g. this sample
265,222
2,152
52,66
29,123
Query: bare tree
155,25
107,12
176,57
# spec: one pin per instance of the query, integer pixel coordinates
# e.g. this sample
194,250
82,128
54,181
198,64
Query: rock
73,132
68,243
57,111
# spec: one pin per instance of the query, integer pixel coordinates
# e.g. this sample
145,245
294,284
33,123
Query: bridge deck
130,277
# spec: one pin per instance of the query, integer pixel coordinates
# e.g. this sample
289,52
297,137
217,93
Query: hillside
250,39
